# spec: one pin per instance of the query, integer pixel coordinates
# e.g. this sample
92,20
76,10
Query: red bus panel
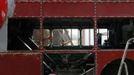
117,9
20,64
105,57
62,9
27,9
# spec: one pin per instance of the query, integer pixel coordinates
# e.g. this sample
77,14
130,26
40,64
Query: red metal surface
105,57
3,11
54,9
75,0
73,9
116,0
68,9
54,0
69,0
79,9
27,9
116,9
27,0
21,63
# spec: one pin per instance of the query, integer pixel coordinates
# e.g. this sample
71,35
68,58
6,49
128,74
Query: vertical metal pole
51,42
41,25
95,31
80,40
95,26
107,34
124,56
71,37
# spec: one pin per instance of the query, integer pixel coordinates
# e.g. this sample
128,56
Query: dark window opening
72,64
20,31
58,33
69,33
115,33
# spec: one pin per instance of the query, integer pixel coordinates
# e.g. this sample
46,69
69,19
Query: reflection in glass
87,37
65,37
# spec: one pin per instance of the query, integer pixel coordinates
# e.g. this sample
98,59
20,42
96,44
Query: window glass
65,37
87,37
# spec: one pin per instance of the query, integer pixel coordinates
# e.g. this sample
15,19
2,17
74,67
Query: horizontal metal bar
75,1
68,51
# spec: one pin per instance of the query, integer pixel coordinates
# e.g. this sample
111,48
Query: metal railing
123,58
